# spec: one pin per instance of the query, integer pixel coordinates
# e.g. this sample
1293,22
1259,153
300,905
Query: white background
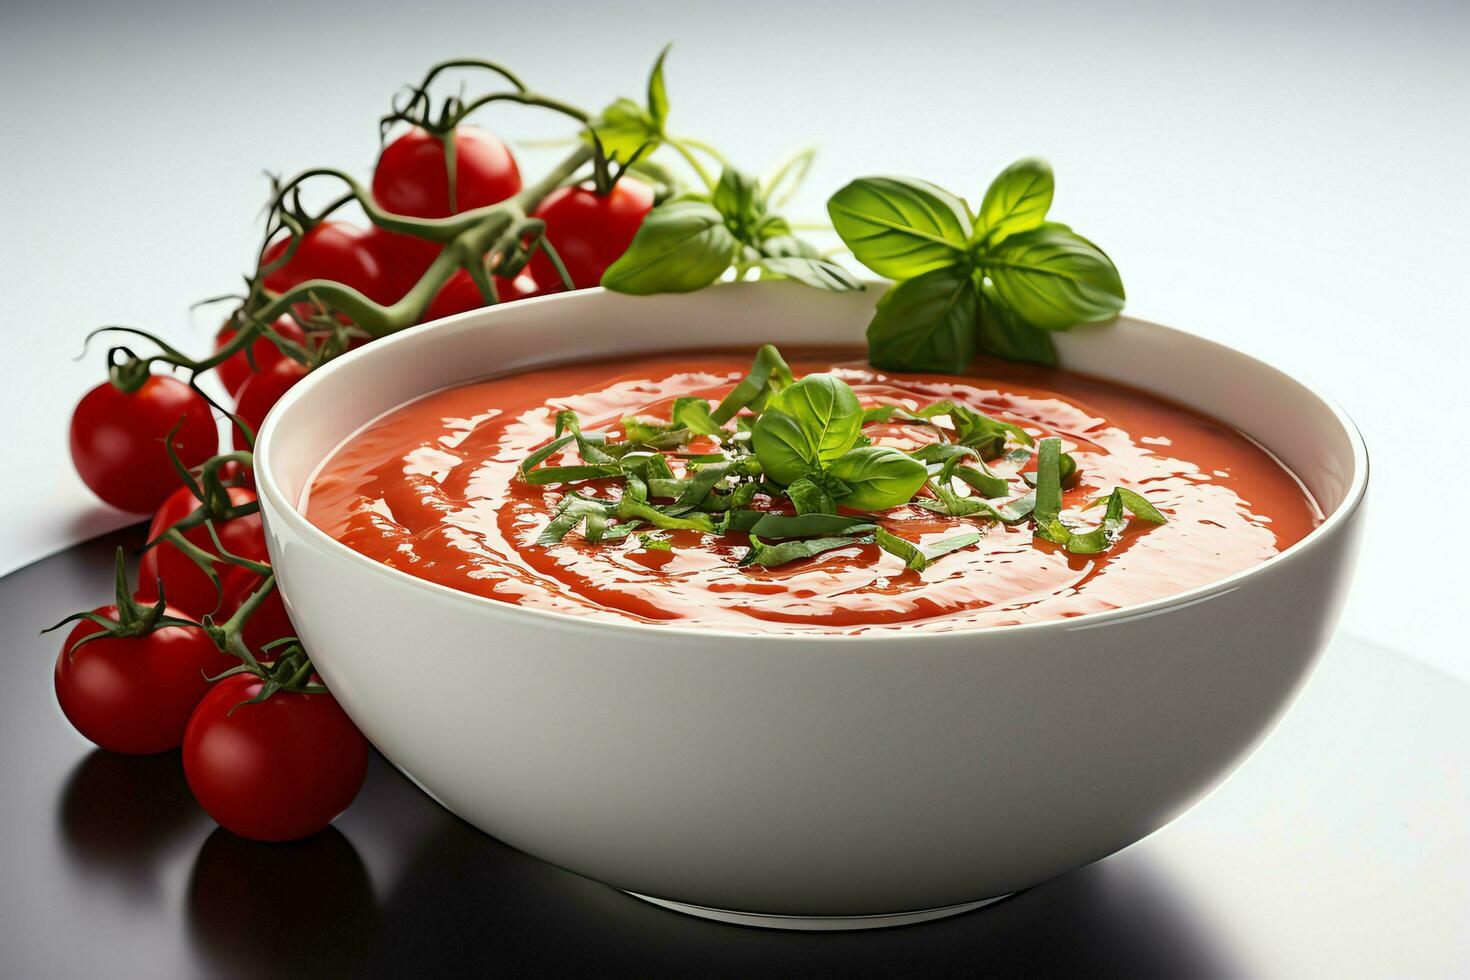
1289,180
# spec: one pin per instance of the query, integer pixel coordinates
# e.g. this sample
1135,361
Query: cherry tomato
118,440
459,294
259,394
411,177
277,770
267,623
333,250
403,258
136,694
184,583
233,372
589,231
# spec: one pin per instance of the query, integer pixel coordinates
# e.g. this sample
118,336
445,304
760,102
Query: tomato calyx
215,503
290,671
134,618
128,374
608,170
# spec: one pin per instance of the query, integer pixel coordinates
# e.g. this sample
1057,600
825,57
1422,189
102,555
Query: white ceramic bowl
851,780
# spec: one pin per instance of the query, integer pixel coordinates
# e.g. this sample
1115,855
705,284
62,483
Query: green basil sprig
808,434
691,240
995,281
627,130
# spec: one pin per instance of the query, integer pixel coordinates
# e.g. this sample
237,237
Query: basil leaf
625,127
878,477
587,446
544,453
943,452
806,426
1141,508
1050,526
925,415
1051,279
737,198
740,497
647,466
699,487
743,520
658,96
635,490
693,413
599,531
661,489
769,374
919,557
986,483
1048,481
814,272
571,474
900,227
808,525
571,513
1004,336
630,509
953,505
949,454
1066,467
641,432
682,245
1017,200
986,434
653,541
769,556
925,324
810,497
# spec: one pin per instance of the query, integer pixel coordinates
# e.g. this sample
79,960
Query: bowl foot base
819,923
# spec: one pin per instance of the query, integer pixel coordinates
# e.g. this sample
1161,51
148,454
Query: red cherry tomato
259,394
411,177
184,583
333,250
403,258
136,694
277,770
459,294
589,231
267,623
118,440
233,372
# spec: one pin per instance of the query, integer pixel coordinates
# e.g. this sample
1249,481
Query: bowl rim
269,489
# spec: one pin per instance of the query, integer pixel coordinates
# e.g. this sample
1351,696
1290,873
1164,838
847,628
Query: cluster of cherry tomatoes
266,749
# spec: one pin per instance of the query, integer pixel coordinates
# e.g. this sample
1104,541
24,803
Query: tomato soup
433,489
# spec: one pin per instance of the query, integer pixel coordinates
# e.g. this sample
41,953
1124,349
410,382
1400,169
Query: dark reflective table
1342,848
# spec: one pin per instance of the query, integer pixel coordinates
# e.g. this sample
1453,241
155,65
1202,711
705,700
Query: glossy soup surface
431,488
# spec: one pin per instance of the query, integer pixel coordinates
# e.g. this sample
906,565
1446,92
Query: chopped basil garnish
1051,527
771,555
918,557
785,443
806,525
